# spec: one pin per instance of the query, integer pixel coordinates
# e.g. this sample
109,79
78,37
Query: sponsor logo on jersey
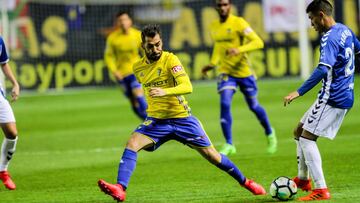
176,69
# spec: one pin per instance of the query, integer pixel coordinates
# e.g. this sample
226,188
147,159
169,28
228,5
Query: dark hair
120,13
150,31
320,5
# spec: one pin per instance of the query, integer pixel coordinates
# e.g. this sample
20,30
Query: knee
132,144
10,132
297,131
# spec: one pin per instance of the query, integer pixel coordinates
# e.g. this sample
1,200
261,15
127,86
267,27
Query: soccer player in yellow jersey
169,118
122,51
233,38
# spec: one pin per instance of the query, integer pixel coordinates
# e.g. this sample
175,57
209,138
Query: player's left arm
253,41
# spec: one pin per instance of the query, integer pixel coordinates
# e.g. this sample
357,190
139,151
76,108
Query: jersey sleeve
253,41
183,84
328,51
3,54
356,44
109,55
215,56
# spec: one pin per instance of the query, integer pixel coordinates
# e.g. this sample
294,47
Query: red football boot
317,194
114,190
304,185
254,187
6,179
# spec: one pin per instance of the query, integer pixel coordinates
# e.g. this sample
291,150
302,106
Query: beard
154,56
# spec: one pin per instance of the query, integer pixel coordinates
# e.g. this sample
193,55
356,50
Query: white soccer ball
283,188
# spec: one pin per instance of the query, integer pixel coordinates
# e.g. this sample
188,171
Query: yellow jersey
166,73
235,32
122,51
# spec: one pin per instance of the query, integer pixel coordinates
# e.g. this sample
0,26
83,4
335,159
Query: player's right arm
7,71
214,60
15,92
110,58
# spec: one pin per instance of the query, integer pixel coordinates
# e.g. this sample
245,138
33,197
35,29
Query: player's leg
226,120
8,146
191,132
138,95
226,89
127,166
312,155
224,163
302,180
325,121
249,89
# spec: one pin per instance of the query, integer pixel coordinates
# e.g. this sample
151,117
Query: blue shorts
187,130
247,85
130,83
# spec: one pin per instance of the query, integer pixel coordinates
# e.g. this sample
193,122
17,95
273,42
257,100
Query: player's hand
156,92
15,92
290,97
205,69
232,52
118,76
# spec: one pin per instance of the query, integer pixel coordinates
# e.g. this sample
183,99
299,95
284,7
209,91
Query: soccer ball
283,188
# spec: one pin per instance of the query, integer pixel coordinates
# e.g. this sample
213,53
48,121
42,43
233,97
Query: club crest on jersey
228,30
159,71
176,69
141,74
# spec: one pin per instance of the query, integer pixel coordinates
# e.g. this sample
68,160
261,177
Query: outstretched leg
224,163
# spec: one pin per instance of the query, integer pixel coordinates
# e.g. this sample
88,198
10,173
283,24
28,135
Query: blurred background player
121,52
169,118
323,119
7,120
233,38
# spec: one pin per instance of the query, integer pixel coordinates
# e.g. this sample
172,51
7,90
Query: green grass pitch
68,141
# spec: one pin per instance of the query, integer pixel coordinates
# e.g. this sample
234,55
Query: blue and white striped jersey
337,52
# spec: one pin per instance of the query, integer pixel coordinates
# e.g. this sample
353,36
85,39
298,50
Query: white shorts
323,120
6,112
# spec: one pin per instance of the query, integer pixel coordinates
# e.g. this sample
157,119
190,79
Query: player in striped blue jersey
338,47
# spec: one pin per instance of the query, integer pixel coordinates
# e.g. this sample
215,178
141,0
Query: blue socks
126,167
260,114
226,118
229,167
141,109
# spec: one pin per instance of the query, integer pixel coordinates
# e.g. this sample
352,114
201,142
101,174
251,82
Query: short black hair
120,13
150,31
320,5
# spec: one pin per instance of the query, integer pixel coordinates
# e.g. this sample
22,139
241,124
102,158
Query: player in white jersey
7,119
336,68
